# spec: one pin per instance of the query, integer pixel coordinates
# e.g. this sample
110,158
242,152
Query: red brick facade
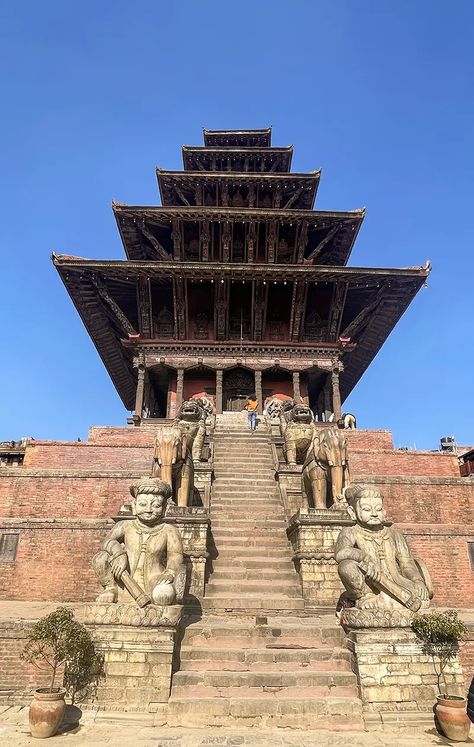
61,499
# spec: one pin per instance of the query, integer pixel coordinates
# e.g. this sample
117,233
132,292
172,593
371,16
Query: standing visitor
251,407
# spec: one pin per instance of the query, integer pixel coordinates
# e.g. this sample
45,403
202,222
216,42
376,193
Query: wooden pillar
327,399
336,395
296,387
219,392
140,391
320,406
258,390
179,388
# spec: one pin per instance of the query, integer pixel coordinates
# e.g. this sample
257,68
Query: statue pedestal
313,533
137,645
394,675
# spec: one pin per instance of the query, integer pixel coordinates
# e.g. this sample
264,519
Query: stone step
278,633
252,535
222,489
328,659
230,516
265,710
231,573
254,562
264,679
251,523
253,541
289,588
257,602
235,552
223,495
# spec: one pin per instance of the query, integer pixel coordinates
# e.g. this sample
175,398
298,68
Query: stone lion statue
191,421
297,428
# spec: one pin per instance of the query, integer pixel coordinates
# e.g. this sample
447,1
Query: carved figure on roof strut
326,469
141,560
375,563
297,428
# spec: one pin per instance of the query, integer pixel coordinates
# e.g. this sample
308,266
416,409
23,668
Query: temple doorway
236,387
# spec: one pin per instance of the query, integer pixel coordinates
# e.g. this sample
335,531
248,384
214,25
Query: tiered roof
238,182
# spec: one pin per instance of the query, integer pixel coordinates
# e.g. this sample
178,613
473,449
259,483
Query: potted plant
441,633
57,643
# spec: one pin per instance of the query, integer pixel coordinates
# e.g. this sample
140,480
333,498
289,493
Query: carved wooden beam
300,292
205,238
113,306
181,196
260,302
160,250
198,194
335,313
301,242
272,236
292,199
176,237
359,322
251,241
221,309
319,248
226,238
180,306
144,307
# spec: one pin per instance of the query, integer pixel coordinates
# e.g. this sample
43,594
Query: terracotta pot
46,712
452,717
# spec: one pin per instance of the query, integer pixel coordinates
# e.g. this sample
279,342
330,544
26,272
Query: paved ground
14,732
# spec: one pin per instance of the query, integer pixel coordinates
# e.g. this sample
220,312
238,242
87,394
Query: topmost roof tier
236,138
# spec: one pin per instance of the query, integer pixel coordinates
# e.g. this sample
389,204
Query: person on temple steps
251,407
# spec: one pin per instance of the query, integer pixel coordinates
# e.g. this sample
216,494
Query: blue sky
96,94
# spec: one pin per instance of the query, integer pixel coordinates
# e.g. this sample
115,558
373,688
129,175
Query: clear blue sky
96,94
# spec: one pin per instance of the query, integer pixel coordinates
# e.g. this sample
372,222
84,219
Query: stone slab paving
119,731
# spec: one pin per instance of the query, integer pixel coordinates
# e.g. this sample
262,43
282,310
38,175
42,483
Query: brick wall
67,490
53,562
16,676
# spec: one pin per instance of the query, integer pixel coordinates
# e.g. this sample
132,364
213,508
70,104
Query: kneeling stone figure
374,560
142,559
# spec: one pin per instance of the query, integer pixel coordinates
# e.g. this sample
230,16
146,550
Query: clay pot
46,712
452,717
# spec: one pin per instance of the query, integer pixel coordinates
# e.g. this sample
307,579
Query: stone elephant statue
173,463
326,468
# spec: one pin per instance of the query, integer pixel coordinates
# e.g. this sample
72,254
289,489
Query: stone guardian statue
141,559
375,563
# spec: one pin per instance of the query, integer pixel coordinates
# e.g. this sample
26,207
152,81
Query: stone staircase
255,659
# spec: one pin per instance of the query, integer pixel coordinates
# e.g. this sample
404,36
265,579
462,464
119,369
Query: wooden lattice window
470,552
8,547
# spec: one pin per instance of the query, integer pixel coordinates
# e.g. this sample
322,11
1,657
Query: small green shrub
58,640
441,633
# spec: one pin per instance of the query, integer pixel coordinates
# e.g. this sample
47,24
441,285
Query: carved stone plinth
289,482
313,533
193,523
137,645
393,672
203,480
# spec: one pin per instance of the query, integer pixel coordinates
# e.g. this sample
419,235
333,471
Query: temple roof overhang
299,189
329,236
208,158
371,300
260,138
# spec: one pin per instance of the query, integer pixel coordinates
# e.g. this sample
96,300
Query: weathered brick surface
415,463
53,563
88,456
77,481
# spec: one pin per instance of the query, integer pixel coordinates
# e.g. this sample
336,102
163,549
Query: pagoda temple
236,284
